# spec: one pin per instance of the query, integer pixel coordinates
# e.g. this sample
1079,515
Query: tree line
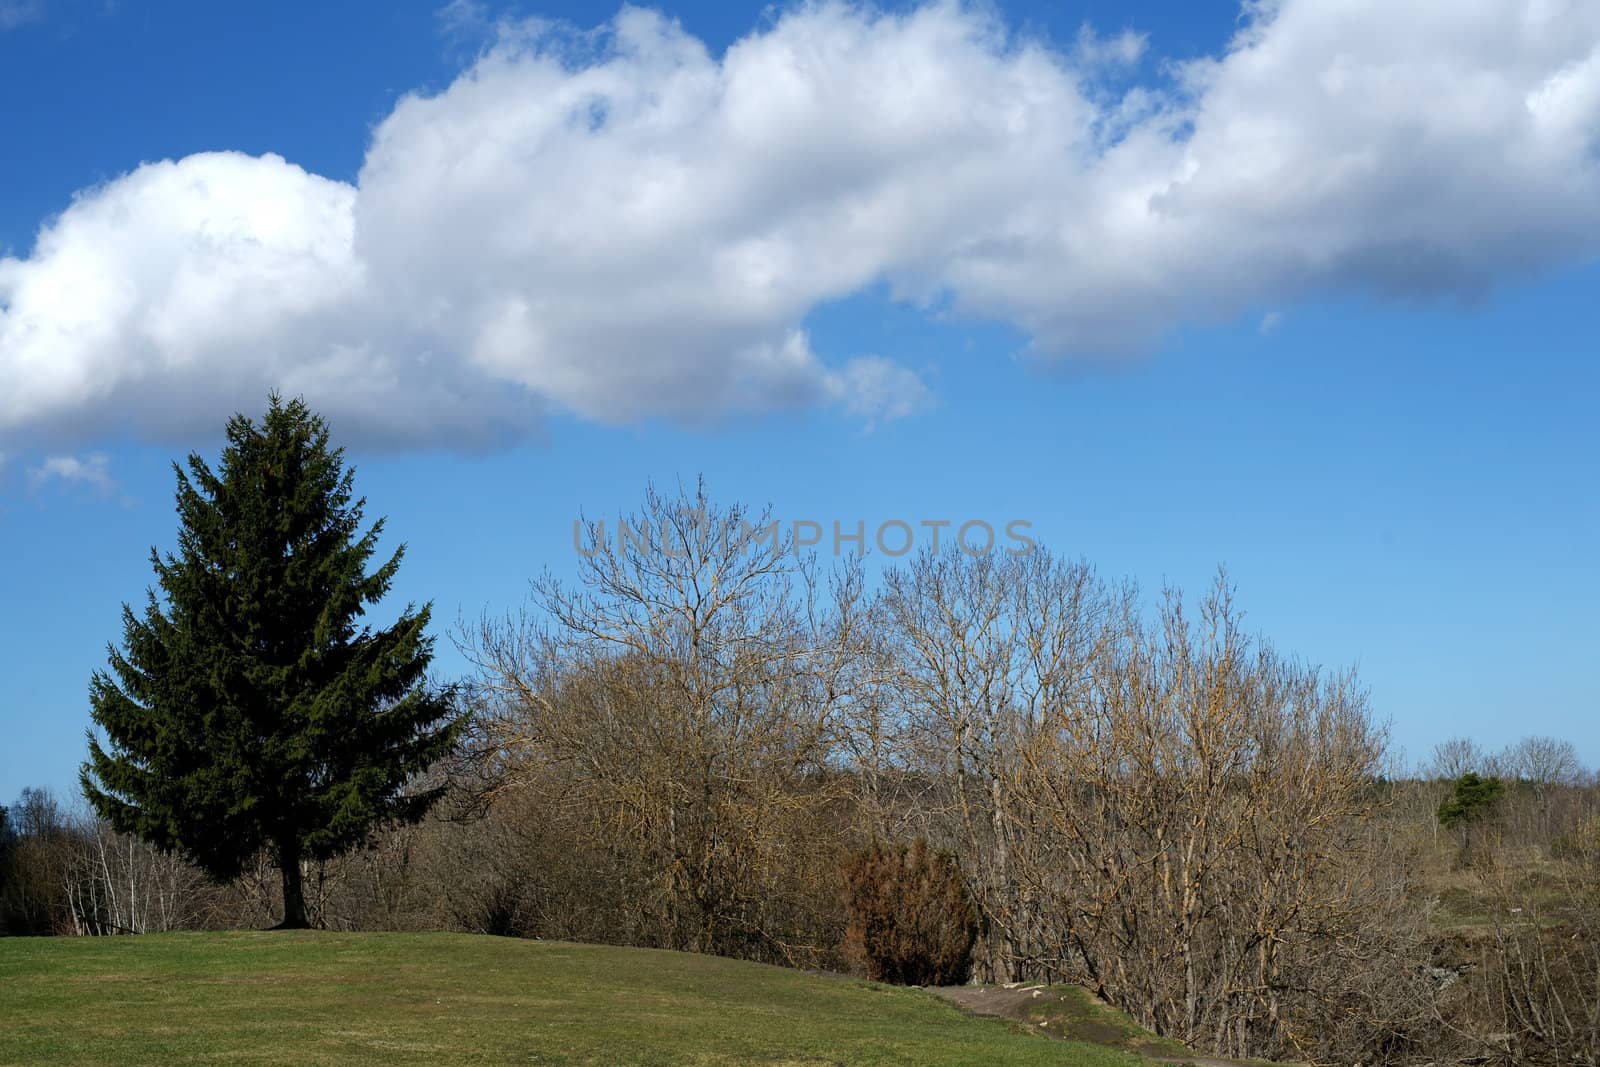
1003,766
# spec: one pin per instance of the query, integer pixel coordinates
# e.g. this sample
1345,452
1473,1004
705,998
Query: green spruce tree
1469,805
248,708
1470,800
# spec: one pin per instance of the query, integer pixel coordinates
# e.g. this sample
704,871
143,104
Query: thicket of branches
686,746
910,918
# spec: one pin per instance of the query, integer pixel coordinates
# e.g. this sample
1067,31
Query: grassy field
311,998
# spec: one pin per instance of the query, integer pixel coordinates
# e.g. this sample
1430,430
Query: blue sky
1303,301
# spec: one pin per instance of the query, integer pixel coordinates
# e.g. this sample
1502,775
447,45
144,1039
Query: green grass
1068,1011
312,998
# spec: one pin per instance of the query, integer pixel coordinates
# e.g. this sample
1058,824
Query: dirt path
1071,1012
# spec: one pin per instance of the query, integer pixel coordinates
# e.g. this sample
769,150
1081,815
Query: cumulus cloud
623,225
188,288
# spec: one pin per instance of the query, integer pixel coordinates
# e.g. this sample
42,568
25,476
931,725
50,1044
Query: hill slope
309,998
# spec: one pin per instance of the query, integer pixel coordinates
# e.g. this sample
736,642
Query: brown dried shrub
911,920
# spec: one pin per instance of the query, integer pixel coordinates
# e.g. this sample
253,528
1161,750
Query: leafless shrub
911,921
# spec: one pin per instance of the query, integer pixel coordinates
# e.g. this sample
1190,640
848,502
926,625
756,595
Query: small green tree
1470,800
246,709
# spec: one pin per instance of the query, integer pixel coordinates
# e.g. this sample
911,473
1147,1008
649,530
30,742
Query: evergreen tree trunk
294,900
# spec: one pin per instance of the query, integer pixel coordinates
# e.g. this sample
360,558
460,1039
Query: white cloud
172,296
874,389
92,471
466,22
1093,50
624,225
15,13
1270,323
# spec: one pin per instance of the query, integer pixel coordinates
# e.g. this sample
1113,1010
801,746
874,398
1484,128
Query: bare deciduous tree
1456,756
682,706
